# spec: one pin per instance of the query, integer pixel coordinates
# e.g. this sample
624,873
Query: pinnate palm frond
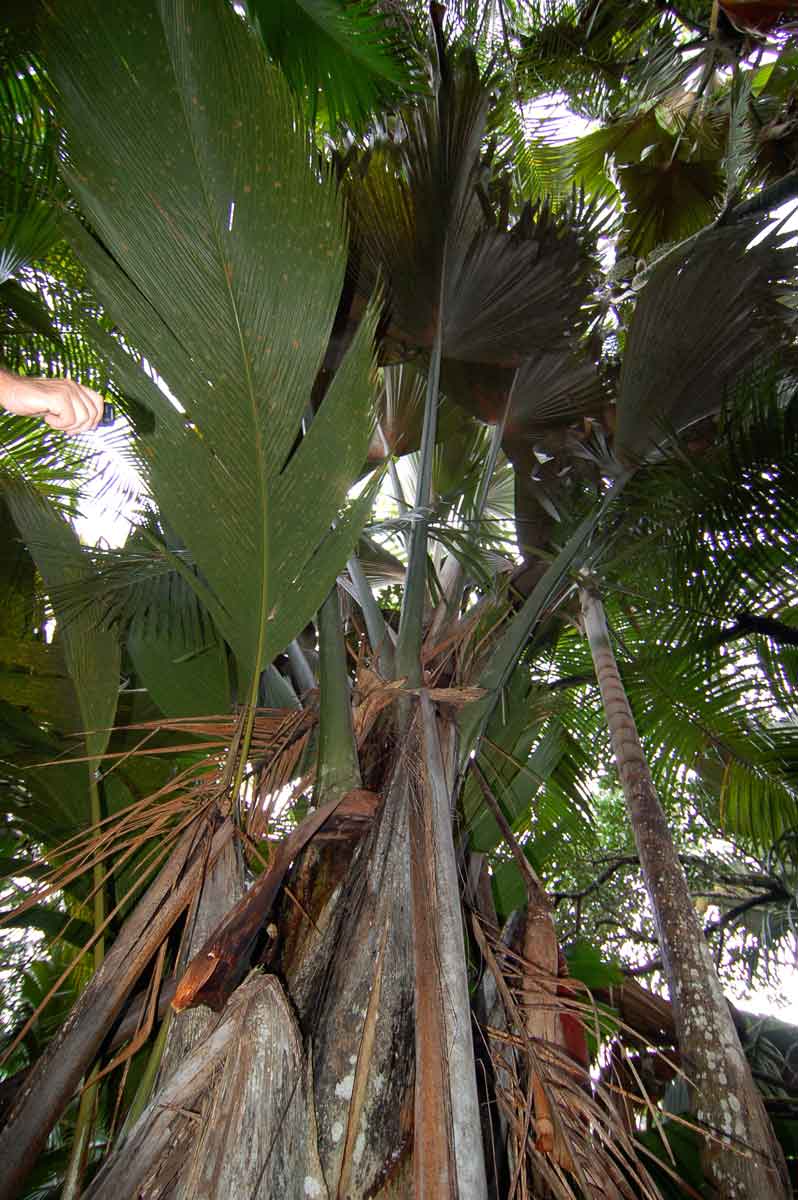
28,179
711,533
583,49
233,325
33,454
349,53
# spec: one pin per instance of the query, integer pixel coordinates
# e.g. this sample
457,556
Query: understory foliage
311,815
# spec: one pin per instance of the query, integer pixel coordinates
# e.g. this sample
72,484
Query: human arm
61,403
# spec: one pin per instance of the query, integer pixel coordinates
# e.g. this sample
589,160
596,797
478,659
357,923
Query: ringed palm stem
741,1154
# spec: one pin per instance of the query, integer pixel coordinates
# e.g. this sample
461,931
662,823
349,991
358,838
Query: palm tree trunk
741,1155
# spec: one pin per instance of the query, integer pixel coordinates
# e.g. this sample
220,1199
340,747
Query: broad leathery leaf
222,261
181,679
91,654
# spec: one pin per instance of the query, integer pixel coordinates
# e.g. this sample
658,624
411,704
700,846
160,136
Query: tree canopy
413,383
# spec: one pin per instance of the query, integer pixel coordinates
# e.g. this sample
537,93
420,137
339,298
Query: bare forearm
61,403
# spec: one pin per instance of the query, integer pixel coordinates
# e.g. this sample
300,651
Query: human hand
61,403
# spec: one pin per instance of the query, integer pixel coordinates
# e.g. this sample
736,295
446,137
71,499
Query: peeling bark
218,967
360,1012
258,1133
234,1119
221,889
741,1155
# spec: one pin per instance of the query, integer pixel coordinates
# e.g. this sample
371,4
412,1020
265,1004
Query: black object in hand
109,416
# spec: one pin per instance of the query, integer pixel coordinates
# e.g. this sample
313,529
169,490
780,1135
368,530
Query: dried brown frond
564,1129
146,831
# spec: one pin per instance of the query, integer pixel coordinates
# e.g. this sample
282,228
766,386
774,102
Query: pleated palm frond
424,223
413,202
400,413
348,58
220,256
696,329
150,594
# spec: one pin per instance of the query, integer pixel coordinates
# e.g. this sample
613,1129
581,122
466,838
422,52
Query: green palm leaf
28,180
345,51
222,261
91,654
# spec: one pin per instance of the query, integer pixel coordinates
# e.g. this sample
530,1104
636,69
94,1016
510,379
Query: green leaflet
340,50
222,260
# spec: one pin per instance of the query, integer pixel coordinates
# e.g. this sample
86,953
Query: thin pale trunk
741,1155
449,1157
50,1085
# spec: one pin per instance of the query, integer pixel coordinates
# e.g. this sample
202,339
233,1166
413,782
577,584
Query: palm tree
268,349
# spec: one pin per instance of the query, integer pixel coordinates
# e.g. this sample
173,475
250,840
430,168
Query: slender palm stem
741,1154
449,605
300,667
447,919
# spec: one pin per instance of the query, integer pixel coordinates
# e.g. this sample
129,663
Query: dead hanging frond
563,1128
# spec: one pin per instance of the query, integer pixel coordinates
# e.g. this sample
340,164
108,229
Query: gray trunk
234,1119
741,1154
222,887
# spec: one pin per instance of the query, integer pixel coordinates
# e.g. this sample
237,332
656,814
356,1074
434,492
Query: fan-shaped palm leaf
695,329
223,265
